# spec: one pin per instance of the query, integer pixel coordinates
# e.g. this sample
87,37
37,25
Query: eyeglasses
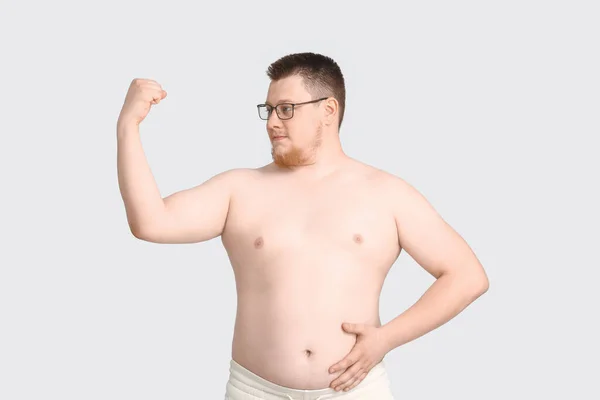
283,110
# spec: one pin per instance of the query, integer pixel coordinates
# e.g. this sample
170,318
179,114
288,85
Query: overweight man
311,237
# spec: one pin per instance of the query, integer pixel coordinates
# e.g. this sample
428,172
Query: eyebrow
280,101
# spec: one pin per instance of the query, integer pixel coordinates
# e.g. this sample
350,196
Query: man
311,238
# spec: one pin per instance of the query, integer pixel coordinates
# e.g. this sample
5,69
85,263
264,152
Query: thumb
352,328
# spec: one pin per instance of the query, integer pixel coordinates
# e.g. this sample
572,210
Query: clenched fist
142,94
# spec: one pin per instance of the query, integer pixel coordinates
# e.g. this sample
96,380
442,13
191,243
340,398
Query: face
294,141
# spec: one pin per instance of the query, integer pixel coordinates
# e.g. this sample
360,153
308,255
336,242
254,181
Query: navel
358,238
258,243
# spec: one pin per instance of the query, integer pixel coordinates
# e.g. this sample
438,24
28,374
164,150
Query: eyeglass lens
284,111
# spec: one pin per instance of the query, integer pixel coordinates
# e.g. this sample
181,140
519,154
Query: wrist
124,127
387,337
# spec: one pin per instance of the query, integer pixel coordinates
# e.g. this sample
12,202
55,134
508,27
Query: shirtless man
311,238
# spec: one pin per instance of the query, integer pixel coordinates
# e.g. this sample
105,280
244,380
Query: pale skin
311,238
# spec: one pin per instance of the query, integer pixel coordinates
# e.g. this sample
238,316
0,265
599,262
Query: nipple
258,243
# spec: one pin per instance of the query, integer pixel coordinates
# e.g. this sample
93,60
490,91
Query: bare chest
274,222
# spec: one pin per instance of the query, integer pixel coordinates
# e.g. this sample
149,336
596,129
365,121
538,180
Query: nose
273,121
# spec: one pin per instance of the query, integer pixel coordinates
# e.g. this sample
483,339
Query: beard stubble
296,156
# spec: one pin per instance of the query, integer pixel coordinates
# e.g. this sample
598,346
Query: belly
289,318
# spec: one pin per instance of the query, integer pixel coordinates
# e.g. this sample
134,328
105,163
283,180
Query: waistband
247,381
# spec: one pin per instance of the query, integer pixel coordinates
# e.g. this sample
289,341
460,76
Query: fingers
347,378
157,96
145,82
346,385
350,359
357,381
151,89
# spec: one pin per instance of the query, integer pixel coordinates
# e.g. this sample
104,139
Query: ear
331,111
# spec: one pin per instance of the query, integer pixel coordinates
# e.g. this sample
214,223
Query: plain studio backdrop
490,109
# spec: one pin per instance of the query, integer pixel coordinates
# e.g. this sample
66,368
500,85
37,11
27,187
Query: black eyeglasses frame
270,108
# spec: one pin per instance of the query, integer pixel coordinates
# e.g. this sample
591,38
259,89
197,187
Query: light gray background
490,109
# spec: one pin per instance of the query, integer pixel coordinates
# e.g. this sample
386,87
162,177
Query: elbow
139,232
477,279
474,283
480,285
474,289
485,285
483,281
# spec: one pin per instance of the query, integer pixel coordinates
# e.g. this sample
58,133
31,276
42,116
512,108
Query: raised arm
187,216
194,215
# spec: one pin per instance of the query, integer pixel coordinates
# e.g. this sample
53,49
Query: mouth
278,137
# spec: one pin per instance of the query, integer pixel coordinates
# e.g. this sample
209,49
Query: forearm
142,199
445,298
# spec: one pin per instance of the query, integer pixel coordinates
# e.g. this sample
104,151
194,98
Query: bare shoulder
386,181
241,180
398,194
235,176
222,184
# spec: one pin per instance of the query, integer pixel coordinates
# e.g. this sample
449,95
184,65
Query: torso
306,257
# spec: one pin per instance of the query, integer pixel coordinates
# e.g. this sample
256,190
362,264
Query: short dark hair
321,75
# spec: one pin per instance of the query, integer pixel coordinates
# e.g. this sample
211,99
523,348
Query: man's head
303,128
